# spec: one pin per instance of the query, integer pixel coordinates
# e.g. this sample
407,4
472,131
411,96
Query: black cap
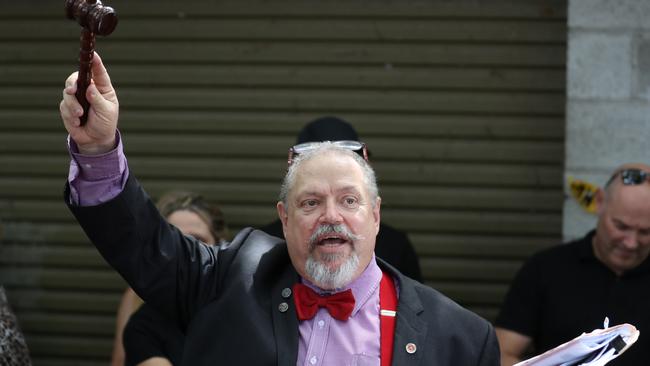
327,129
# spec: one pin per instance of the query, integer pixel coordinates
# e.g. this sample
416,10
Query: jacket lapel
410,331
410,335
285,320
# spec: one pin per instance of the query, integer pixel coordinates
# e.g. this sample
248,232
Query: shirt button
313,360
321,323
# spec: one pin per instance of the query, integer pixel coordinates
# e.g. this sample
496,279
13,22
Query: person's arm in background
512,345
156,361
520,313
128,305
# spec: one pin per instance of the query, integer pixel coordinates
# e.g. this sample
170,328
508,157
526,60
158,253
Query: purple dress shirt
323,340
95,179
355,342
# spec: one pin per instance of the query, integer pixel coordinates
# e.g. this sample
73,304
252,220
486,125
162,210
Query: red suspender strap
387,313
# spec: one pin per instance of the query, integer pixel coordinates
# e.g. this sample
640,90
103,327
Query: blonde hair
208,211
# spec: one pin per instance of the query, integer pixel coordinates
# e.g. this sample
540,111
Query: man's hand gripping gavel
94,18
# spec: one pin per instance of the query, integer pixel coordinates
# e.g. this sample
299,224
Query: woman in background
142,336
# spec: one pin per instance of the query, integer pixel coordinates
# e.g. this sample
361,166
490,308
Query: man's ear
282,213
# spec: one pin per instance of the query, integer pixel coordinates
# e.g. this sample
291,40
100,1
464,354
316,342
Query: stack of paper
589,349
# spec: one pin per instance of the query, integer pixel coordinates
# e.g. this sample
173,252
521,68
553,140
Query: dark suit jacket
392,245
230,299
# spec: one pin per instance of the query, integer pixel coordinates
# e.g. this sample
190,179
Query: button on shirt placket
318,339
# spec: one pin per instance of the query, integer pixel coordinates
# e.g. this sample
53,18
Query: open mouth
331,241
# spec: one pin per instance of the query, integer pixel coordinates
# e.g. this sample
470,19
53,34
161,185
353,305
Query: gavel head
92,15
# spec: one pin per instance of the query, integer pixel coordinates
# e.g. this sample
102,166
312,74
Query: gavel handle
86,51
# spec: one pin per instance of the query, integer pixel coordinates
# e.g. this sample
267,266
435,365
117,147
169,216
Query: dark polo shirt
564,291
149,334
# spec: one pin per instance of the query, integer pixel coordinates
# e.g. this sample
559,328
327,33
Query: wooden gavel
94,18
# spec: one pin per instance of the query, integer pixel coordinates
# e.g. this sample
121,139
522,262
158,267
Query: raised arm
170,271
97,136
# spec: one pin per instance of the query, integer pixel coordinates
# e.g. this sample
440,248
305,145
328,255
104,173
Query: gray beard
329,278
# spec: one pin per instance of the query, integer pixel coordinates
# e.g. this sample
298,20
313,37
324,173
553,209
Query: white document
589,349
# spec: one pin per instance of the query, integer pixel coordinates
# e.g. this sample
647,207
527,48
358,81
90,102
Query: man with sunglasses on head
566,290
320,298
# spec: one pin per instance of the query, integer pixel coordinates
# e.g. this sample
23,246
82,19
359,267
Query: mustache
340,229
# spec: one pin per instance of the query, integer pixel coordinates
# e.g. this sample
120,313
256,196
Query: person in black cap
392,245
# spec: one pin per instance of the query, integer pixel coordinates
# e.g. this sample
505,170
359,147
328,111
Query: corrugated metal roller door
461,103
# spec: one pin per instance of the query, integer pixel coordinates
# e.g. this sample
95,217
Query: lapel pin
411,348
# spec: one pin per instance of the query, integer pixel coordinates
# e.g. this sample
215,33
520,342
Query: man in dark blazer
316,299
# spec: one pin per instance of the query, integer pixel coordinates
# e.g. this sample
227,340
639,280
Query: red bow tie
339,305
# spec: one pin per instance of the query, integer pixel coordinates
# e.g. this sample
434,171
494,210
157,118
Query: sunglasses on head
631,177
356,146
